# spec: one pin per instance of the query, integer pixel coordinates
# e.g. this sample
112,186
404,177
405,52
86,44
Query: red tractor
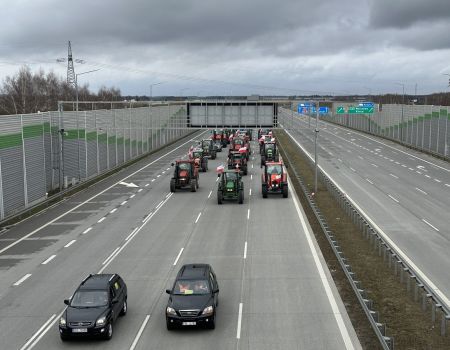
236,144
185,175
274,179
237,160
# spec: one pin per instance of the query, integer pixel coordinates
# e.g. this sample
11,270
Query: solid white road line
87,230
38,332
178,257
19,282
248,214
93,197
139,334
159,205
45,330
394,176
132,232
238,331
418,189
70,243
210,193
48,260
394,199
369,181
389,241
198,217
114,210
110,256
101,220
123,203
245,250
425,221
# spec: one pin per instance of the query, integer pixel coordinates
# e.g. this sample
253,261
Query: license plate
189,323
79,330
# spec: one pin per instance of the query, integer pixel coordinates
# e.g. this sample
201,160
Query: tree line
32,92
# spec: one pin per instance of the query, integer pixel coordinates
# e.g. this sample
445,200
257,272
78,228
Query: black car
194,297
93,308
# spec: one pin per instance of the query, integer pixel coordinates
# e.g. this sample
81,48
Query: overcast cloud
259,46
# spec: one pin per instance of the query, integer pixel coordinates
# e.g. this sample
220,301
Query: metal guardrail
424,290
380,329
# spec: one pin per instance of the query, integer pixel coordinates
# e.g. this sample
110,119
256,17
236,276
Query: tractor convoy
230,184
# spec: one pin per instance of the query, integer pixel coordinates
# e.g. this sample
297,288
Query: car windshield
191,287
89,298
274,169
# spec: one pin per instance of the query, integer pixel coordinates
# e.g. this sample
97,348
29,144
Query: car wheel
124,310
64,337
109,331
212,323
170,326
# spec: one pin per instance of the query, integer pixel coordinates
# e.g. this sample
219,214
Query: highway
405,192
275,289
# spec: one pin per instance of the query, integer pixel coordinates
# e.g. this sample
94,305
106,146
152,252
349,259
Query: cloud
406,13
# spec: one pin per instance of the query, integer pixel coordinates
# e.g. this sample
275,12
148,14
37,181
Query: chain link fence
44,152
426,128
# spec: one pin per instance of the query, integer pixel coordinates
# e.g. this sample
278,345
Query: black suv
194,297
93,308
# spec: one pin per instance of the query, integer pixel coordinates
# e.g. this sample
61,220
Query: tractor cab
274,179
200,161
237,160
269,153
230,186
237,144
184,175
207,146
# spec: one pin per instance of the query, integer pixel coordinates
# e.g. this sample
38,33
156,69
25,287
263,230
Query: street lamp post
316,135
403,103
151,89
76,82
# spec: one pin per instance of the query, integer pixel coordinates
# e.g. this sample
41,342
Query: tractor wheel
213,155
277,158
219,197
193,185
204,165
244,169
285,191
263,161
241,197
264,191
172,185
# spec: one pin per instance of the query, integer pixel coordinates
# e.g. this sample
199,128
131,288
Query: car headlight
208,310
101,321
171,311
62,322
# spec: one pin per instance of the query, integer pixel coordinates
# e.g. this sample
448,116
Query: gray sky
235,47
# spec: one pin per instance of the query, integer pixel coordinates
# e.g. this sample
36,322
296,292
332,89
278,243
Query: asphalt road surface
405,192
275,289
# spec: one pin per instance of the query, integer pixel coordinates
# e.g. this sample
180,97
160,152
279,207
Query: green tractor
230,187
269,153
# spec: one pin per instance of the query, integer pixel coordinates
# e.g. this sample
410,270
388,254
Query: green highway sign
340,110
360,110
